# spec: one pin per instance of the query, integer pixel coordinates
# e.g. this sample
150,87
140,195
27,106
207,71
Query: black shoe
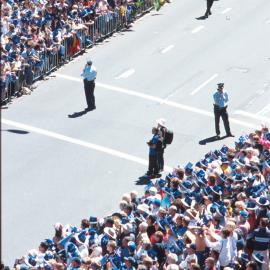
156,175
210,13
230,135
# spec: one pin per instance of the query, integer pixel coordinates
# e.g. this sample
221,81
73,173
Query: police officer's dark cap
89,62
220,84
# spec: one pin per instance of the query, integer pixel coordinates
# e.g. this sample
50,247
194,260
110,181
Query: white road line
89,145
268,21
253,116
159,100
203,84
226,10
126,74
197,29
264,110
167,49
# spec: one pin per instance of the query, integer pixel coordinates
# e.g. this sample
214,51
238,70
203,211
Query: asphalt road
61,169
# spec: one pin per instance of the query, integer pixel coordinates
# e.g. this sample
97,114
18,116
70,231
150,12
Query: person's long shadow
16,131
201,18
211,139
143,180
77,114
146,179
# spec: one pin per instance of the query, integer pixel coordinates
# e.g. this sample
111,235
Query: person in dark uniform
89,74
153,164
220,110
161,145
208,9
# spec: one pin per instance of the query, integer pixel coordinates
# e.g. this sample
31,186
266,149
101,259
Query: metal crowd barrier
103,26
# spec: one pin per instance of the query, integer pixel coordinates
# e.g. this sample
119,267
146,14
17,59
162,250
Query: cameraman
161,144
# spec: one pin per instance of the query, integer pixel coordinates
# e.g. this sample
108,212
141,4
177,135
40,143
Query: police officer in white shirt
89,74
220,110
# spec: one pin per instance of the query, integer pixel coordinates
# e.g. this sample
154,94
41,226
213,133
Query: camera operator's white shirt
184,264
224,247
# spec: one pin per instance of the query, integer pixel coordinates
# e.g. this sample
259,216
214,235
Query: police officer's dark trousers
221,112
208,9
89,87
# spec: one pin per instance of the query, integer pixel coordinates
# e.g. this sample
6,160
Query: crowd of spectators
213,215
33,31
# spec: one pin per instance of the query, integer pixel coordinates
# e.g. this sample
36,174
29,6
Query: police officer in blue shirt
89,74
220,110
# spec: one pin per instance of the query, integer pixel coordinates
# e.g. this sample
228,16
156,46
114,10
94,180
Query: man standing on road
208,9
89,74
161,144
220,109
153,163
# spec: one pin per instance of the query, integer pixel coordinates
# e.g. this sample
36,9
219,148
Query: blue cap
131,246
187,185
157,202
161,183
243,214
224,149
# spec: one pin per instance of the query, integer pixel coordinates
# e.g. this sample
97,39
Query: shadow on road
211,139
77,114
143,180
202,18
16,131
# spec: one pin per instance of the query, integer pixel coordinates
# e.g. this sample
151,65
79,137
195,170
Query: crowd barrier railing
103,26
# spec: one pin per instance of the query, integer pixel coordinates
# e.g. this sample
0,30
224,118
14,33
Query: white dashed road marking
253,116
197,29
89,145
203,84
226,10
264,110
167,49
126,74
159,100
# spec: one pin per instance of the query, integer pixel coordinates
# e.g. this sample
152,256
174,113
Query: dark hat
77,260
244,257
93,220
262,201
258,257
220,84
89,62
251,205
192,246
